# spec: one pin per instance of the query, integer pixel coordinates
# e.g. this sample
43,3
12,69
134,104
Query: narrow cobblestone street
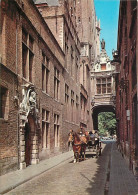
108,174
86,177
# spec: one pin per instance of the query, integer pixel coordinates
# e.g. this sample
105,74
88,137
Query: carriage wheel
100,152
100,149
97,151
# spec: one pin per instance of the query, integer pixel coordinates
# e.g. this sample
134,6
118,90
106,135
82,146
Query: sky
107,11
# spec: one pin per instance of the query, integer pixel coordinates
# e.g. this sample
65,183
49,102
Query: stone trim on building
29,113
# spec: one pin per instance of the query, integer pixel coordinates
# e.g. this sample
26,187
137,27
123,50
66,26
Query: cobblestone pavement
107,175
86,177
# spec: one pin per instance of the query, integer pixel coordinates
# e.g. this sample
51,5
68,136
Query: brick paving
60,176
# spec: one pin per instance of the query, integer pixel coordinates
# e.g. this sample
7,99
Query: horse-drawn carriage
82,140
94,144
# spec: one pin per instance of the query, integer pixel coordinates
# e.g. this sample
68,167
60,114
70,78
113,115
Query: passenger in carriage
91,134
96,134
96,138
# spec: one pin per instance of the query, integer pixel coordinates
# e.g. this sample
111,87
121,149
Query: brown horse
70,139
79,147
84,140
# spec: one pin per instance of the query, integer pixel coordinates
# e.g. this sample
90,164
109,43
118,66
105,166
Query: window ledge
4,120
45,93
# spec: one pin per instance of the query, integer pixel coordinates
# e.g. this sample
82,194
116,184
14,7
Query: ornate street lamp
115,55
116,61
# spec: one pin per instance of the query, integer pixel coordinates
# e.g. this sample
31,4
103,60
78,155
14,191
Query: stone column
34,154
23,118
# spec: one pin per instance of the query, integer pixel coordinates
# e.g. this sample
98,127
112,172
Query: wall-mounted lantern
116,61
115,55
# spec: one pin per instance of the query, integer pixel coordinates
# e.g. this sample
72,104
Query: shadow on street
98,182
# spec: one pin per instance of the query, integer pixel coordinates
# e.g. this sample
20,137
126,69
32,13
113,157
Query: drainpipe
83,62
18,140
137,103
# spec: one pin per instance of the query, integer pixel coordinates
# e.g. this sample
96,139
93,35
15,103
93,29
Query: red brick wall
44,41
127,52
9,124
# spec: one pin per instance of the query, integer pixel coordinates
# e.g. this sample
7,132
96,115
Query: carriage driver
81,131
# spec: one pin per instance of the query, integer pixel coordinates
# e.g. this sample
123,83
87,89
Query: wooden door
27,144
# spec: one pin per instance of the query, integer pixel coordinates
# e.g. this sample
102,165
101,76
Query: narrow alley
69,83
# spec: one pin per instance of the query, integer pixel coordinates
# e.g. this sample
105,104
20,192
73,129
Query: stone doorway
29,128
31,144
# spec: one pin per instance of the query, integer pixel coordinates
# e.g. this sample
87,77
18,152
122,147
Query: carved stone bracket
28,113
28,104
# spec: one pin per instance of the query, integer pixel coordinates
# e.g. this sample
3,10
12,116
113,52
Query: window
45,73
83,108
30,65
66,50
71,11
66,43
24,60
3,102
134,74
98,89
103,88
79,20
56,130
74,2
133,4
66,93
45,129
77,109
67,100
27,55
72,60
56,83
103,66
109,85
76,69
103,85
72,106
24,36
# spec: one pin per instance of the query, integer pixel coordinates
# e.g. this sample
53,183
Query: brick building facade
61,21
126,99
68,21
88,28
32,66
40,81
